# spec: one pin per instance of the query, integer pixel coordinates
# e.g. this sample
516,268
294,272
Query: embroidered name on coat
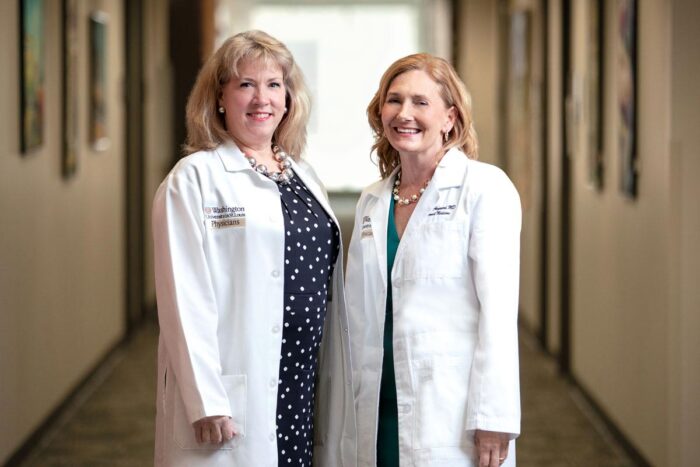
442,210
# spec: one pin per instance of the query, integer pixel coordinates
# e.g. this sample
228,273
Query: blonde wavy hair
206,128
454,93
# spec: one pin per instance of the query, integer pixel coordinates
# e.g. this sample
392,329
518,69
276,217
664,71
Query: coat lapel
449,173
379,217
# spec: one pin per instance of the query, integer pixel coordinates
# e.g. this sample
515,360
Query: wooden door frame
565,259
134,171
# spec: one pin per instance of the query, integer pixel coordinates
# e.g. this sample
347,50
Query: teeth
259,115
409,131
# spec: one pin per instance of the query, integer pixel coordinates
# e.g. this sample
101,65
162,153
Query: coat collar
449,173
233,158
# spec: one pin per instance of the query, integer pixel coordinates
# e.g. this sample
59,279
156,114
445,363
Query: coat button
273,382
272,437
276,328
275,273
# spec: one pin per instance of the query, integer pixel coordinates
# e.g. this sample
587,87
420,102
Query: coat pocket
435,250
237,391
441,403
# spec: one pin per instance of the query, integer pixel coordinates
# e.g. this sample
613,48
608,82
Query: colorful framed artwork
627,11
32,74
70,88
596,68
98,81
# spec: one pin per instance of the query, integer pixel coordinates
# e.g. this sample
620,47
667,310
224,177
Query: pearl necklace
284,176
411,199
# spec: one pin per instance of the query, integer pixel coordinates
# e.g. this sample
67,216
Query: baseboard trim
585,397
617,434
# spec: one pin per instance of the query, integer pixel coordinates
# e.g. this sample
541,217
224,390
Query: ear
451,118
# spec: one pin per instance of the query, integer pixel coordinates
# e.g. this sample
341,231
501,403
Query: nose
405,113
260,96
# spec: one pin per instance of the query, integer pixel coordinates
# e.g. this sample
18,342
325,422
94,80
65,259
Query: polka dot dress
311,248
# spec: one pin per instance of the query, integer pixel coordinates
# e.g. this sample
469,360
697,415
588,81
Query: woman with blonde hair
432,283
253,359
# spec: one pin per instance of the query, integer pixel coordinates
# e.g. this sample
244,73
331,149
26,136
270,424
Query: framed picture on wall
596,68
70,88
98,80
32,74
627,11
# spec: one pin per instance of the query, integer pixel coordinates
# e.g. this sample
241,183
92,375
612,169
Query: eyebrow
246,78
414,96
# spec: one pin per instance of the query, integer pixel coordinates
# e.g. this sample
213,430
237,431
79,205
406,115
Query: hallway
111,423
589,106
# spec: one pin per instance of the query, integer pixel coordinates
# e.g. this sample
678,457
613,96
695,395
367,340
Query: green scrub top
388,429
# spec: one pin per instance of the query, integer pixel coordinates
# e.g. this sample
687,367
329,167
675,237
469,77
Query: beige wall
631,259
523,155
159,150
478,66
62,245
685,258
634,263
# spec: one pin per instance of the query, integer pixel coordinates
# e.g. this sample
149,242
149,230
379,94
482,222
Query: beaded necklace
284,176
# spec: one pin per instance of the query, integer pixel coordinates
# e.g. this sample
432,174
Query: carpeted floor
112,422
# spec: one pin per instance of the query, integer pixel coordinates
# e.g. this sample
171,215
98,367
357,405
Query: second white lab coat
455,303
219,263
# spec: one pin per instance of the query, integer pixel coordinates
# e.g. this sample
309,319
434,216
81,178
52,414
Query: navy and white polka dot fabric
311,248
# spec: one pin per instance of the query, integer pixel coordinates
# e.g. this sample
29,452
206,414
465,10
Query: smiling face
415,116
254,102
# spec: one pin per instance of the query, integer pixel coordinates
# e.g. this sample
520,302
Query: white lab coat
455,303
219,263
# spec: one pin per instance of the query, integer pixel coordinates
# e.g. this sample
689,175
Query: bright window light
343,51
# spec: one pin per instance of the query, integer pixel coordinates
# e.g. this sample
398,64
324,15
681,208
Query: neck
259,151
415,170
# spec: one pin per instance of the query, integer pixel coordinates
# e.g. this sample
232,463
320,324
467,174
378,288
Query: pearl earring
221,109
446,136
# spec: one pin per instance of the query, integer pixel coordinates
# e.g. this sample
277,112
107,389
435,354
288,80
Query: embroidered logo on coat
221,217
367,227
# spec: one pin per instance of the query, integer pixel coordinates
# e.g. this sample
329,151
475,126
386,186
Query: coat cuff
499,425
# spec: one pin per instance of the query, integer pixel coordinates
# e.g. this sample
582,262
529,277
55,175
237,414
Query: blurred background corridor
590,106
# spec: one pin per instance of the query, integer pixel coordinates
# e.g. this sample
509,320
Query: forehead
414,82
265,67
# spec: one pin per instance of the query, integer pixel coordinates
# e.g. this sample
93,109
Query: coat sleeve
355,294
494,256
187,309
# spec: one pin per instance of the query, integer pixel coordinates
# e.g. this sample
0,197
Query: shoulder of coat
194,162
484,175
488,180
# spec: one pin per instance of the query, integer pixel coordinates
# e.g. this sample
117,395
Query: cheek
386,119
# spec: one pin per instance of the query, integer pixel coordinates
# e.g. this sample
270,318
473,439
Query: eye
393,100
275,84
246,84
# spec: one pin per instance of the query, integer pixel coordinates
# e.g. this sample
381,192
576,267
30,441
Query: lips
259,116
407,131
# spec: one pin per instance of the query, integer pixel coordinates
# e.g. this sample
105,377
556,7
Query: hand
214,430
491,448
